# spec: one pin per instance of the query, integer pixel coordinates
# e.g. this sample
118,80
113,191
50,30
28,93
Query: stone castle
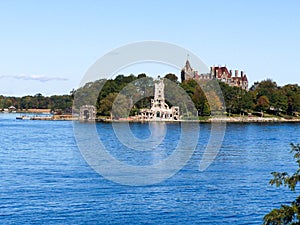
216,72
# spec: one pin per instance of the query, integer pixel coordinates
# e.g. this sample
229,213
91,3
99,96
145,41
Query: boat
23,118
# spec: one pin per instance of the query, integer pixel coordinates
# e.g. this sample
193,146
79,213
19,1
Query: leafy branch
286,214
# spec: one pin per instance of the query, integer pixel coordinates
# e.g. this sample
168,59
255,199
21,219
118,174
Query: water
45,180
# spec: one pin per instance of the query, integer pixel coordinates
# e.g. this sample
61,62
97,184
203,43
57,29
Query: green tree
26,102
292,93
189,86
105,105
266,88
196,100
172,77
279,101
247,101
7,102
286,214
232,97
141,75
200,101
145,89
121,106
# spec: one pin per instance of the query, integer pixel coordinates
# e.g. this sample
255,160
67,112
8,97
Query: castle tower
187,71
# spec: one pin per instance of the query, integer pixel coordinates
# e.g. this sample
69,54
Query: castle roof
243,78
222,70
187,66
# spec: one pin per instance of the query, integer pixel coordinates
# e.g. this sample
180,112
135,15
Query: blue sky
47,46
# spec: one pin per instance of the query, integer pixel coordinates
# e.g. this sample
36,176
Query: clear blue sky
47,46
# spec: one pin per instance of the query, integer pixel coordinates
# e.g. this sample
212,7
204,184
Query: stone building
159,108
216,72
87,113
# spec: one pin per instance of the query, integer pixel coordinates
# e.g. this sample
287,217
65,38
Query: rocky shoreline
214,120
253,120
222,119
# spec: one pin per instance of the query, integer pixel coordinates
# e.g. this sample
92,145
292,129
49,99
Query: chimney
213,71
242,73
230,72
236,73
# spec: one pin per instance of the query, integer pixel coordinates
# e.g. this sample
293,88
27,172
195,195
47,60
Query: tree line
58,103
263,97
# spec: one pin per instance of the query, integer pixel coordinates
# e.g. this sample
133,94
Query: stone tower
159,108
187,71
159,91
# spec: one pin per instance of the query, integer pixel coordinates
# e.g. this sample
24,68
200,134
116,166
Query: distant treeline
58,103
264,96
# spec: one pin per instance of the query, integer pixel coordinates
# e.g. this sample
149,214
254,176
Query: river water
45,180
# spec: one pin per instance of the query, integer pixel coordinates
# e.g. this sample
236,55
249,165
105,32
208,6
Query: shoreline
211,120
254,120
134,120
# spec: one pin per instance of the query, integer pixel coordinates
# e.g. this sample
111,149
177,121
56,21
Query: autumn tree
263,103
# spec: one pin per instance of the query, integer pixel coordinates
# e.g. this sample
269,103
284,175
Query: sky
47,46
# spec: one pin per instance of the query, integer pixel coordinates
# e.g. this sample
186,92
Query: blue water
45,180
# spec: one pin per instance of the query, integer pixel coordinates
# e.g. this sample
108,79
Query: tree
106,104
292,92
189,86
7,102
141,75
279,101
145,85
72,93
263,103
172,77
190,98
121,106
200,101
231,97
247,101
286,214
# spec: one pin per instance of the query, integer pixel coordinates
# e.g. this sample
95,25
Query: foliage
291,91
38,101
265,96
286,214
263,103
198,97
275,98
172,77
